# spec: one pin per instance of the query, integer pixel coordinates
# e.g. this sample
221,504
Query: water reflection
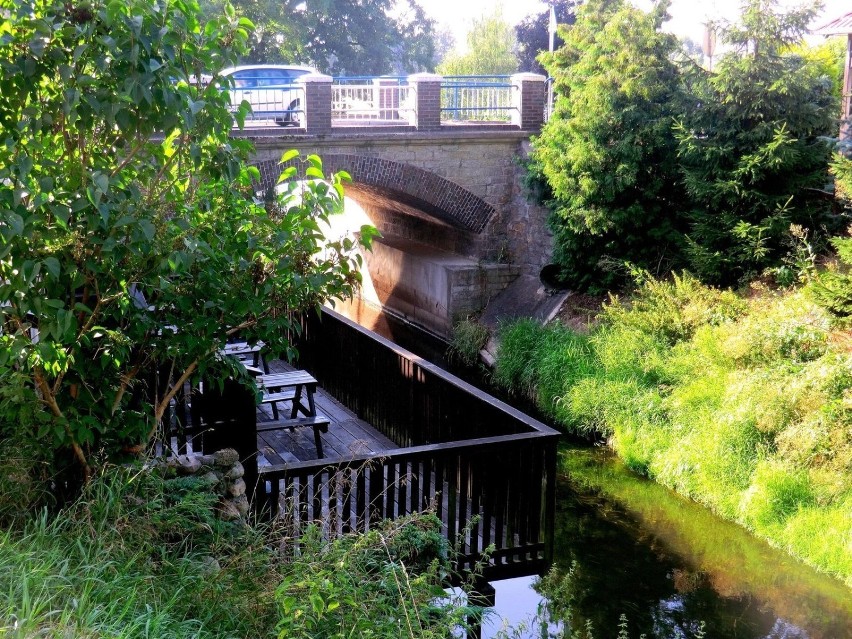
628,546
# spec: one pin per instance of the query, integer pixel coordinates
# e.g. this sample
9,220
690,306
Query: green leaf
101,181
148,229
15,222
52,266
289,155
287,174
317,604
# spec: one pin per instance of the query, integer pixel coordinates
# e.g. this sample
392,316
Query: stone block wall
222,472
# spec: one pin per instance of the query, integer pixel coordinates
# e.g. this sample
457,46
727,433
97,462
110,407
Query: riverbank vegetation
652,164
741,402
142,555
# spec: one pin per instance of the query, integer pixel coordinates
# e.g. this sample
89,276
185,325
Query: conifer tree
608,153
750,145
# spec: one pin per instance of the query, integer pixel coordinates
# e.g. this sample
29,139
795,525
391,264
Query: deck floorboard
347,435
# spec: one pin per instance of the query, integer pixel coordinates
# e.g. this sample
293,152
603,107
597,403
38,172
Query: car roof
255,67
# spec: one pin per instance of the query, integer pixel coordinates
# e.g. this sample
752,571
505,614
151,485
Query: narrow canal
626,546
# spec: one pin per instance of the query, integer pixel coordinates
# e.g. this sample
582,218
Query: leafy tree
367,37
343,37
490,49
533,33
749,144
275,37
608,153
130,237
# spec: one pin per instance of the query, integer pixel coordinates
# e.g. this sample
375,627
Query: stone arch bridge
448,199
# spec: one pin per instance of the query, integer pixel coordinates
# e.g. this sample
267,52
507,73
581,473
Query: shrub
133,243
608,151
749,145
386,583
832,288
673,308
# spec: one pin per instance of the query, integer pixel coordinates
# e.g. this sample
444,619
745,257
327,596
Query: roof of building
840,25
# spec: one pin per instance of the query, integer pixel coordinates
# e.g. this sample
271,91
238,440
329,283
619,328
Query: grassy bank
143,556
742,404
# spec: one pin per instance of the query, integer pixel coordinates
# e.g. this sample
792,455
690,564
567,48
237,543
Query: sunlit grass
742,405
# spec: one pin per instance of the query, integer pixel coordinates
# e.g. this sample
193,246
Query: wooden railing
485,468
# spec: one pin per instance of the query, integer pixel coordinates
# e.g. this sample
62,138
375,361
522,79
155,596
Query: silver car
271,90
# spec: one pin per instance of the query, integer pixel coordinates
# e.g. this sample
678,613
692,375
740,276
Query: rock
211,478
237,488
210,566
236,471
207,460
229,511
226,457
187,465
241,503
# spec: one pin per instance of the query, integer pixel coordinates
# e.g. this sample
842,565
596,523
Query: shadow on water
626,545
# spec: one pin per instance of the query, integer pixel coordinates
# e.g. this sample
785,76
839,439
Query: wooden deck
347,435
432,441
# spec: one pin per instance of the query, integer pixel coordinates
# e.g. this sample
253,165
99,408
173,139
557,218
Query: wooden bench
245,352
289,386
318,422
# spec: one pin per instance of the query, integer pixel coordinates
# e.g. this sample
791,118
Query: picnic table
247,352
297,387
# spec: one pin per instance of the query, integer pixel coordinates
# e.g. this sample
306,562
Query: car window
244,79
296,73
254,78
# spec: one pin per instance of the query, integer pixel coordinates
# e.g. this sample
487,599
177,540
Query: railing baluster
377,488
347,487
360,498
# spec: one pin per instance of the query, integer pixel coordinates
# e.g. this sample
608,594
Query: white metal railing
374,99
476,98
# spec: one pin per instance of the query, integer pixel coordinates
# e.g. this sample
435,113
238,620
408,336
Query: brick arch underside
405,184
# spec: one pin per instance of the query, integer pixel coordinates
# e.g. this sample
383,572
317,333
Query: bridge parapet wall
423,108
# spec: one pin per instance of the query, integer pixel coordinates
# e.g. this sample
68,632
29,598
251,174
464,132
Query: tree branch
49,399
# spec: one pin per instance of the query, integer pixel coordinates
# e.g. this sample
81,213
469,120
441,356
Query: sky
688,16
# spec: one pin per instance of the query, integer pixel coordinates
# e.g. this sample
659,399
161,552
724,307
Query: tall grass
744,405
137,556
141,556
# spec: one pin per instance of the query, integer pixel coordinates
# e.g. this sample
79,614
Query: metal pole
551,27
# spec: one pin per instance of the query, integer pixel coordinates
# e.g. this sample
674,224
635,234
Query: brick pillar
317,115
528,100
426,99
